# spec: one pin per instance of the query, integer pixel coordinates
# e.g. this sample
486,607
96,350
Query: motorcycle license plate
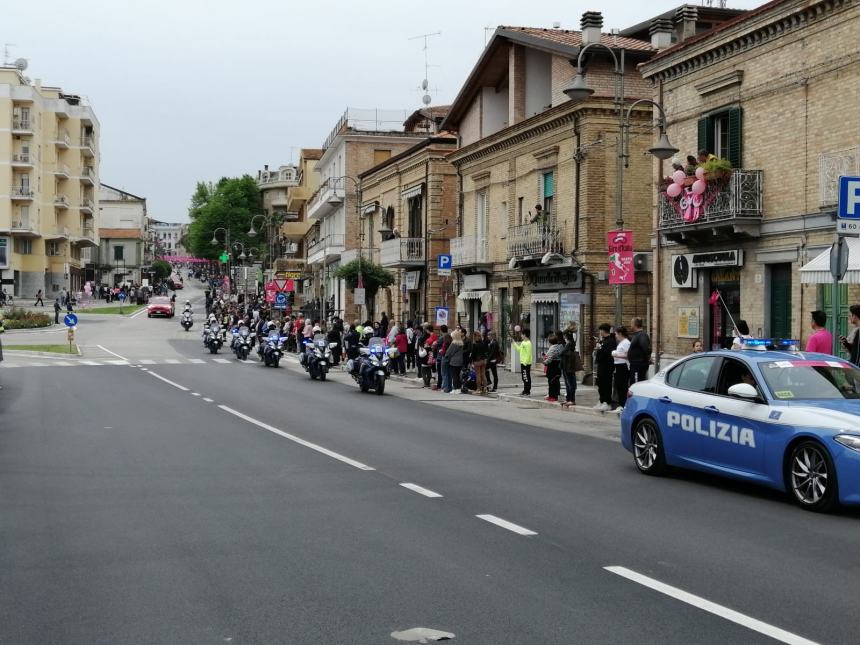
381,372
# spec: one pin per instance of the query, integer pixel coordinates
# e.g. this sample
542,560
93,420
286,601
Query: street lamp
215,242
663,149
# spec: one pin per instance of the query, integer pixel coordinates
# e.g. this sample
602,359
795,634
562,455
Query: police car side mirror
743,391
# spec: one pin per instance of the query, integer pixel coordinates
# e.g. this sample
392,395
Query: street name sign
848,207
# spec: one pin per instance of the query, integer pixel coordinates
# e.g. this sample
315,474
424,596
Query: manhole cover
421,635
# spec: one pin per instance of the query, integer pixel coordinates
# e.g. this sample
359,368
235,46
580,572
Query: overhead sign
620,247
358,296
848,208
70,320
443,264
280,300
733,258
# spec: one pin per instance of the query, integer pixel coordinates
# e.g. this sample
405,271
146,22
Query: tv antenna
19,63
426,99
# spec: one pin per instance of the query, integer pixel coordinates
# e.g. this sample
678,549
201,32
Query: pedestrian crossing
12,361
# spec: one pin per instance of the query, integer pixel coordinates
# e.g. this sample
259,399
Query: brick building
769,90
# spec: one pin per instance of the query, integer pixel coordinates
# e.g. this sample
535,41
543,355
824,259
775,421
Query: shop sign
412,279
284,275
689,322
620,247
475,282
733,258
553,280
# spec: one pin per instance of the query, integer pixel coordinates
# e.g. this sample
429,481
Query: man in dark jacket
639,354
606,344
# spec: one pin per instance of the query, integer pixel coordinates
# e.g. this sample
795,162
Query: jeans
570,386
444,374
526,375
399,364
456,381
638,372
426,373
492,370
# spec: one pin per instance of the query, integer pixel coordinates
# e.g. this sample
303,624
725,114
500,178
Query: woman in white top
741,331
622,366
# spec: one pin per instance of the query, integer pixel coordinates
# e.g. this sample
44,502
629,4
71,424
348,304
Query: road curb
29,354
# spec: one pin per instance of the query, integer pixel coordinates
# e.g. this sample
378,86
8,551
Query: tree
373,276
231,203
162,269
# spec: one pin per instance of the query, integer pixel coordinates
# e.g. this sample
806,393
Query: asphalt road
177,502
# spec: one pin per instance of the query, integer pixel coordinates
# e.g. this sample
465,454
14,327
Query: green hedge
17,318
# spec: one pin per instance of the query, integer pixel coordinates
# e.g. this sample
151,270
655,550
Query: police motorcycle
273,347
214,336
242,342
370,369
187,317
317,357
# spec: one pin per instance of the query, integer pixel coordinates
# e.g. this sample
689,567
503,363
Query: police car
766,414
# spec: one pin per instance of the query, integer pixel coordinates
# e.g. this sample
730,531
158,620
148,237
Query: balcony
283,178
88,175
22,126
469,250
732,207
88,146
831,166
23,160
62,141
325,200
61,201
86,237
533,241
24,227
87,206
401,252
61,171
21,193
326,250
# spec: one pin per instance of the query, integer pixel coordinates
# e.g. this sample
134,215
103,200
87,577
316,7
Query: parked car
160,306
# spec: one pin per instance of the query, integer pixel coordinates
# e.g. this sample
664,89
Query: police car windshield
802,379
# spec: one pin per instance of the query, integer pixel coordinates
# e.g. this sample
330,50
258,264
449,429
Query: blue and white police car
766,414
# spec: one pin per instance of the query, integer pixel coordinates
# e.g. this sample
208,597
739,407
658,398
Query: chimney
661,33
592,25
266,167
686,16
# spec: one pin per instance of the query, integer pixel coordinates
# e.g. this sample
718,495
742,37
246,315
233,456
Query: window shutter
736,137
548,185
705,129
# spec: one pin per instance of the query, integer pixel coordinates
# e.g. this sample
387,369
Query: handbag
422,353
577,362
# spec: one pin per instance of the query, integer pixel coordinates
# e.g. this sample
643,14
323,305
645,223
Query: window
732,373
481,213
380,155
118,253
825,380
547,191
519,211
4,252
23,245
694,374
721,133
54,248
415,206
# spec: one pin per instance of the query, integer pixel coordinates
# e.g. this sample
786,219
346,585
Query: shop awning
485,296
414,191
817,271
544,297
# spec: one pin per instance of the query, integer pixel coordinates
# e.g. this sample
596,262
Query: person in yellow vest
524,348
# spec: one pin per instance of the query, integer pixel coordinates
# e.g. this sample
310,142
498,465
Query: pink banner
620,246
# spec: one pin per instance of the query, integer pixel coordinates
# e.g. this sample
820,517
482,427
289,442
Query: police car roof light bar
757,344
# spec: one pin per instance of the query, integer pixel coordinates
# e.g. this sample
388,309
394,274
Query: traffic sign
280,300
839,258
441,316
443,264
848,208
70,320
120,296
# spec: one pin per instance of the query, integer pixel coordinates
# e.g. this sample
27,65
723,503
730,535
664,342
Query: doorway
728,283
780,300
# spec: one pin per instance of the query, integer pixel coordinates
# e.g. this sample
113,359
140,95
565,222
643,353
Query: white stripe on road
195,394
171,361
711,607
147,361
90,363
137,313
208,400
103,348
196,361
169,382
498,521
421,490
302,442
221,360
63,364
117,362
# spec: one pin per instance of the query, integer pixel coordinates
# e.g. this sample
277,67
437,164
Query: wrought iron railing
739,196
22,157
87,204
23,192
469,249
21,124
534,239
61,200
402,249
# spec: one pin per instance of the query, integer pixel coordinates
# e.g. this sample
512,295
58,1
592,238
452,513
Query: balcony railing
61,170
21,224
87,205
832,166
402,251
62,140
61,201
736,199
326,198
88,146
22,159
21,192
468,250
88,232
21,125
329,246
88,174
534,239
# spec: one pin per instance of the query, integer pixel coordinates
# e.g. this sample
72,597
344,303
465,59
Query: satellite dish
424,84
426,99
20,64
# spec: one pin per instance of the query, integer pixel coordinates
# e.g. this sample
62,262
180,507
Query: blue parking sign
848,209
443,264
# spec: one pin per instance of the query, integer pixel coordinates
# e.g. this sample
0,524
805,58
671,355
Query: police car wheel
648,447
812,477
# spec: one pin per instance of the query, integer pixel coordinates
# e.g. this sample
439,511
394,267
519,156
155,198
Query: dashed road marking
147,361
169,382
195,394
171,361
421,490
221,360
498,521
208,400
196,361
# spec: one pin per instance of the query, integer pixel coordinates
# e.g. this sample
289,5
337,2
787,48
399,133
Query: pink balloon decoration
700,173
679,176
699,186
673,190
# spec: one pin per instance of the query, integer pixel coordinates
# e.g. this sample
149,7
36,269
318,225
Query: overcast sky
190,90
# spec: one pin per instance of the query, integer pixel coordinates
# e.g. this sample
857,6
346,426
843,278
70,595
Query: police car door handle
664,399
711,409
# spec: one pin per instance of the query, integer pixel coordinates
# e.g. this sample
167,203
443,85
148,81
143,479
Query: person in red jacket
401,342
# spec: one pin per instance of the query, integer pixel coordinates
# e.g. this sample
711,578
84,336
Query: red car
159,307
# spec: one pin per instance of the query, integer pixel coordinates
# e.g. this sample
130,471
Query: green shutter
548,184
706,130
736,137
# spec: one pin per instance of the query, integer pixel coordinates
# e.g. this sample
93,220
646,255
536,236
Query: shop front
475,302
550,289
720,274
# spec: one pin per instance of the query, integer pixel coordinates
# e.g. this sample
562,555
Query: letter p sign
849,198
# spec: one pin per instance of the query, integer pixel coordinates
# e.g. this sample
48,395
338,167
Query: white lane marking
90,363
208,400
137,313
103,348
117,362
298,440
169,382
711,607
196,361
147,361
63,364
498,521
171,361
421,490
195,394
221,360
143,369
36,365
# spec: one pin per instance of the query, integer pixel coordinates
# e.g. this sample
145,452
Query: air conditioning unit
683,274
643,262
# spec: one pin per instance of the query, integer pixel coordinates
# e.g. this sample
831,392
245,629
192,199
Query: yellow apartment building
49,159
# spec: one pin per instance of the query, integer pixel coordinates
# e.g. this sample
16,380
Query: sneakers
618,410
602,407
524,393
551,399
